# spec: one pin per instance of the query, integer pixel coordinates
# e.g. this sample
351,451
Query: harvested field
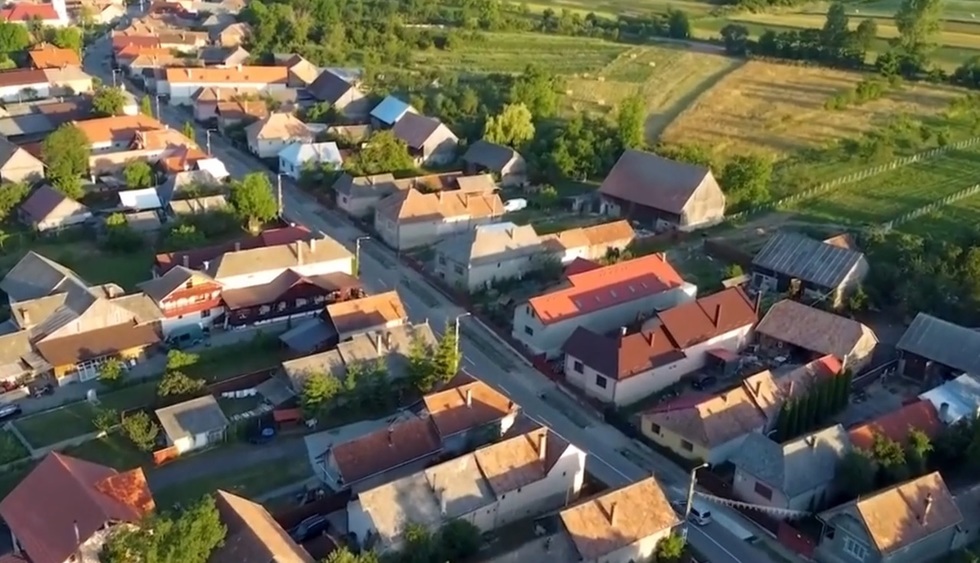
667,78
616,8
779,109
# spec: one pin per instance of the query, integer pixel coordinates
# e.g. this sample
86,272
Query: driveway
225,460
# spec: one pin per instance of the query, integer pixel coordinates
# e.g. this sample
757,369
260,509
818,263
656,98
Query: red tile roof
62,491
121,41
386,449
895,425
708,317
622,357
606,287
24,11
579,266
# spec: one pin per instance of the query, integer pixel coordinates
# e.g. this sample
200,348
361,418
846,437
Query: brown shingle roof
519,461
46,202
905,513
118,128
22,77
413,205
386,449
654,181
415,129
198,256
279,125
618,518
466,407
253,535
270,292
367,312
92,344
896,425
61,491
815,330
708,317
622,357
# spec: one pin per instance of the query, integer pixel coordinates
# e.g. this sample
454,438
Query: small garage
193,425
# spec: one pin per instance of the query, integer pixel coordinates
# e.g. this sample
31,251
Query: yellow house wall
672,441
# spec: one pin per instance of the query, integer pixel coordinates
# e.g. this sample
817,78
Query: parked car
9,410
706,381
38,391
310,527
262,435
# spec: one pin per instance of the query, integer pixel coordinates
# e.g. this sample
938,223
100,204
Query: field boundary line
851,178
930,207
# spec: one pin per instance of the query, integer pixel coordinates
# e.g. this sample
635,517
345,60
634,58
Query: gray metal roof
190,418
944,342
26,125
807,259
797,466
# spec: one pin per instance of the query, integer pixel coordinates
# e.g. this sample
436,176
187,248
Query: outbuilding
193,425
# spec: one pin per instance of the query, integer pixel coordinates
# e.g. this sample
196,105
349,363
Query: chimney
469,397
662,256
188,72
758,302
78,536
238,246
717,315
758,387
811,441
312,245
612,514
391,431
26,315
442,504
943,409
239,67
622,331
377,343
542,444
928,505
791,385
187,261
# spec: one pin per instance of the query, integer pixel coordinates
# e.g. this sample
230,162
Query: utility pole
207,137
114,71
357,254
279,193
456,328
159,117
690,497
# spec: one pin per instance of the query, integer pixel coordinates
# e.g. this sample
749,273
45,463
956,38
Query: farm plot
512,52
949,223
887,196
616,8
667,78
779,109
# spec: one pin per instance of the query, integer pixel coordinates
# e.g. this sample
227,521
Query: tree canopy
66,152
630,121
189,536
13,38
138,174
253,199
537,90
108,101
384,153
513,127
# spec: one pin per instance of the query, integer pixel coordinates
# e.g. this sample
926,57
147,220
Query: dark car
706,381
262,435
9,410
310,527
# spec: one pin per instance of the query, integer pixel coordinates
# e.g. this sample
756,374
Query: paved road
612,456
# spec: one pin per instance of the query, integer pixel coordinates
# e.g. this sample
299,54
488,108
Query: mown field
780,109
613,8
950,222
892,194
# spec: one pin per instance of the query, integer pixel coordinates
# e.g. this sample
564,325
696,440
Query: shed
48,209
140,200
823,269
215,166
956,399
193,424
389,111
934,347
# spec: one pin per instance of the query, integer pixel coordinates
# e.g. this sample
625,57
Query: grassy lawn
615,8
12,477
891,194
56,425
113,450
512,52
11,449
250,482
217,364
949,223
93,264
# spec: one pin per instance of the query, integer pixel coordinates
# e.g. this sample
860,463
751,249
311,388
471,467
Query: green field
613,8
889,195
949,223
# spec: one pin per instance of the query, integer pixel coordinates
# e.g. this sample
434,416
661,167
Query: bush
175,383
111,372
141,430
105,419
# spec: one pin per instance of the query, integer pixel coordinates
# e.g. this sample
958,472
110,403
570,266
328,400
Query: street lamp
159,117
456,327
207,139
357,254
282,204
690,497
114,71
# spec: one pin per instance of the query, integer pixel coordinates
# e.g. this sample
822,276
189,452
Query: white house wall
642,550
182,323
486,274
17,93
562,484
181,92
261,278
549,339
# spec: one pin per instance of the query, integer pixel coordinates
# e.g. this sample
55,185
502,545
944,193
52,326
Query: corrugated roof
605,287
618,518
960,398
654,181
815,330
491,156
390,110
801,257
192,418
942,341
301,153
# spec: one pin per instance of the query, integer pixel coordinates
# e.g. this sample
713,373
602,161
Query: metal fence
929,208
852,177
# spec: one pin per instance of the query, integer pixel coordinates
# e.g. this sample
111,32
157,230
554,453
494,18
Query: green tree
177,383
190,536
108,101
890,457
384,152
119,236
14,38
105,419
865,35
344,555
65,152
670,549
746,180
447,356
318,390
459,539
736,39
808,416
835,33
138,174
111,372
795,423
421,371
513,127
141,430
188,130
784,423
918,22
824,391
420,546
537,90
917,450
630,121
678,24
321,112
253,200
146,106
178,359
66,38
11,196
855,474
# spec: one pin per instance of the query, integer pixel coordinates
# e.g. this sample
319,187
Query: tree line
825,398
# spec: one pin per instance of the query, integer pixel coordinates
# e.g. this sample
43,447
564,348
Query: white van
700,514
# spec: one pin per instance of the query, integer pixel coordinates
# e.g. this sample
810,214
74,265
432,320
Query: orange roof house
65,501
218,76
466,407
49,56
896,425
118,129
22,12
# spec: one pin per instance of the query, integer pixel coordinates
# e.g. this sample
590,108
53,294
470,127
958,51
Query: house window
600,381
655,429
528,330
442,260
687,446
459,269
577,366
205,313
855,549
763,491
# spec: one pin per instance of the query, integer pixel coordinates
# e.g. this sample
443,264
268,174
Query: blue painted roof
390,110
